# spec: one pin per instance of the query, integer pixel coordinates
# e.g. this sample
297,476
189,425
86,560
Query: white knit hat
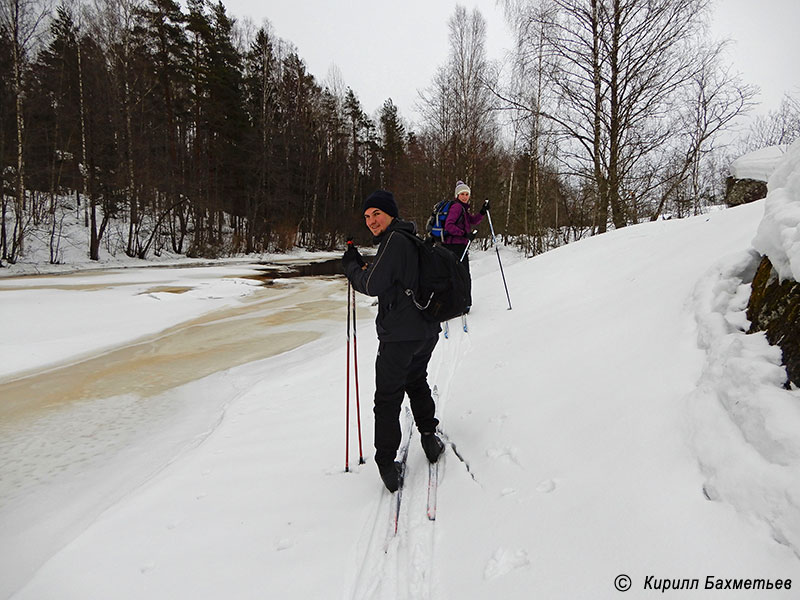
461,187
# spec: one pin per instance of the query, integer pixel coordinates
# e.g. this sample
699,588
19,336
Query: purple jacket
459,223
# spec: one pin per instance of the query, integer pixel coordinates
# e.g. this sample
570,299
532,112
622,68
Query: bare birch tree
713,98
22,20
528,95
622,72
781,126
458,107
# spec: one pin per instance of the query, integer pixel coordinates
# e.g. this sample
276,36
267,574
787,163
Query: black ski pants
401,368
458,250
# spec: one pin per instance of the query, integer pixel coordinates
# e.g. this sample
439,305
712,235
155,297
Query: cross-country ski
433,488
401,469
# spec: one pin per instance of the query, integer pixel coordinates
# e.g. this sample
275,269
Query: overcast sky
386,49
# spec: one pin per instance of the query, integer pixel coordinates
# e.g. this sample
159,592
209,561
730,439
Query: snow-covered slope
615,422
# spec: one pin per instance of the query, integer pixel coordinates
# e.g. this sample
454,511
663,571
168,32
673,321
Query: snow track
403,566
397,567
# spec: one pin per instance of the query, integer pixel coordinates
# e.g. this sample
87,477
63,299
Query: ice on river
103,382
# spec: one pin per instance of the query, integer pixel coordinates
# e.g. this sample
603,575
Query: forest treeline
206,136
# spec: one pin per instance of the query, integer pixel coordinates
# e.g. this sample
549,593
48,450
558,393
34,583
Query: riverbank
109,375
37,266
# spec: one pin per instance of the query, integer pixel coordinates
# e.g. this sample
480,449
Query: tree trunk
133,227
600,188
19,211
617,212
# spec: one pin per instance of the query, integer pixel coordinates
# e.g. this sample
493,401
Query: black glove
485,207
352,255
471,235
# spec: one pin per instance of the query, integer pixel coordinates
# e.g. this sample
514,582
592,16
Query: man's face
377,220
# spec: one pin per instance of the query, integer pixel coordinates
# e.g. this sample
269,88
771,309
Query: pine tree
394,142
261,81
226,115
100,157
164,47
54,130
356,120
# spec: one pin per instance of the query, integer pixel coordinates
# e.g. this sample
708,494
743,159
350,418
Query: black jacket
394,269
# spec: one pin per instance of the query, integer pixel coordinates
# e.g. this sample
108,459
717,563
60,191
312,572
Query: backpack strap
461,217
420,244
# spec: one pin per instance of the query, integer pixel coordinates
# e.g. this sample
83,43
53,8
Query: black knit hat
383,200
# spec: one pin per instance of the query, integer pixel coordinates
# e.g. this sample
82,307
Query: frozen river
110,379
268,320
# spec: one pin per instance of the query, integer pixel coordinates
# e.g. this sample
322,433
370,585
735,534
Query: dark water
272,271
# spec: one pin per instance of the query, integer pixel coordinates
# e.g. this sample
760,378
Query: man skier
406,339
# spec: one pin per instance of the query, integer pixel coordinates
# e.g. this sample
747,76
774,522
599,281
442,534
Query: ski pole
355,365
494,241
347,399
463,254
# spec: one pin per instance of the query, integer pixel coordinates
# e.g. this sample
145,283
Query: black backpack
443,291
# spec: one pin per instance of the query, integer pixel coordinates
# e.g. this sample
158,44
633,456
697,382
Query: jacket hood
397,224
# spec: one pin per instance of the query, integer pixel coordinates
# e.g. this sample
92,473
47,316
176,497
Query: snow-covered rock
775,299
759,164
778,235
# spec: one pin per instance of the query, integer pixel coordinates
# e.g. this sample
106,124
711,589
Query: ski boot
390,474
432,445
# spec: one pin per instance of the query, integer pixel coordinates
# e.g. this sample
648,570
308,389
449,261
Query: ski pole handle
353,250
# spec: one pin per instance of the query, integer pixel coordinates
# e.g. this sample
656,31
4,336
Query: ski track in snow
403,566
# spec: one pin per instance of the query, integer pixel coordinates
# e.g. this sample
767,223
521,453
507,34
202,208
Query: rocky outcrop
750,173
742,191
774,308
